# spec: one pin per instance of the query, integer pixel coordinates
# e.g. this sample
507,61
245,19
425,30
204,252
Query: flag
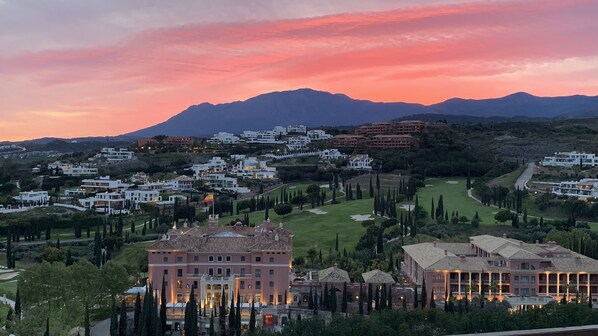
208,198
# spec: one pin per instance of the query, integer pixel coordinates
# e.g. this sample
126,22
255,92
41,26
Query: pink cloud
156,73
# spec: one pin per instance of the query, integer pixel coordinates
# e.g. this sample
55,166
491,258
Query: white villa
182,183
318,135
103,183
331,154
279,130
583,189
296,129
298,142
223,182
70,169
138,196
107,202
114,155
570,159
224,138
215,165
251,167
360,162
32,197
261,137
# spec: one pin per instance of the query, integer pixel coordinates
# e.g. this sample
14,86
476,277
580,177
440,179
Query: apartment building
318,135
498,267
254,261
406,127
252,168
393,141
113,155
583,190
102,184
570,159
106,202
375,128
223,182
179,141
348,141
32,197
215,165
224,138
296,129
298,142
138,196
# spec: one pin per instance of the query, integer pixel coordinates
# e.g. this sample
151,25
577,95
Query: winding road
527,174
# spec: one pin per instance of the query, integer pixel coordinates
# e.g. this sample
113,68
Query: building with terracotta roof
393,141
254,261
499,267
348,141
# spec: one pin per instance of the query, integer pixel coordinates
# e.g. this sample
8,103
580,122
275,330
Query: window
280,299
228,272
179,259
258,259
196,258
165,259
242,271
179,298
271,284
227,258
271,301
196,271
165,272
179,272
258,273
211,272
258,285
271,272
242,284
271,259
219,271
179,284
242,258
211,258
219,258
195,284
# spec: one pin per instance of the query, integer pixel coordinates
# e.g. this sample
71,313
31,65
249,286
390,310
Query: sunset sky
72,68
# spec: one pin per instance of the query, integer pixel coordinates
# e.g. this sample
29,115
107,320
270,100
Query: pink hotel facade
256,261
500,267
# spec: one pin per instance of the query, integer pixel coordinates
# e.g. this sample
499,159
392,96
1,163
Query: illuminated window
179,284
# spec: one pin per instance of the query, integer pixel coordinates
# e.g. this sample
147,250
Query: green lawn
455,199
507,180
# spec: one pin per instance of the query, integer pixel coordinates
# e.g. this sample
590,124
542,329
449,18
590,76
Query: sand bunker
361,218
317,211
407,207
452,182
324,186
429,185
8,276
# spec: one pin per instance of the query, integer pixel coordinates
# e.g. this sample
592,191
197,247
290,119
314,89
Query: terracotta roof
236,238
378,277
333,274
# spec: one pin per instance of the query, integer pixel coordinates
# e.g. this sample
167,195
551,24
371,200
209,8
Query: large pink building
256,261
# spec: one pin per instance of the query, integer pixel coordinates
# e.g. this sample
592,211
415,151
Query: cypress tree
432,213
222,311
332,297
86,322
113,320
231,316
432,301
383,297
310,300
378,182
344,300
377,299
404,302
370,298
336,244
122,322
316,303
47,333
326,297
163,306
69,258
9,249
371,187
415,298
88,229
18,304
212,331
137,313
389,297
48,231
252,318
424,297
238,315
360,298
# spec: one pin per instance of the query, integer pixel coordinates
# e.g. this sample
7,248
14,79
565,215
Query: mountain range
317,108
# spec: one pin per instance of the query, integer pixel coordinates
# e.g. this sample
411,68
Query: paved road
527,174
44,242
7,301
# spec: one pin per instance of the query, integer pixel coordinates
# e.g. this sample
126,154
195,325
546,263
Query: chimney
445,252
213,221
552,243
537,242
504,235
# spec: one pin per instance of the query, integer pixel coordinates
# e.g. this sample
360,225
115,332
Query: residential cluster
383,135
585,189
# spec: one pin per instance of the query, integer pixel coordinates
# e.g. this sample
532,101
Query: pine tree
122,322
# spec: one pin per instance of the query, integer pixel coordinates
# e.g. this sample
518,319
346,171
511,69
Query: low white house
103,183
261,137
215,165
331,154
318,135
360,162
251,167
33,197
570,159
181,183
80,171
583,190
279,130
224,138
113,155
142,196
107,203
223,182
298,142
296,129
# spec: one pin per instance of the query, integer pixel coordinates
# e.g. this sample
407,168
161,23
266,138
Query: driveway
527,174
